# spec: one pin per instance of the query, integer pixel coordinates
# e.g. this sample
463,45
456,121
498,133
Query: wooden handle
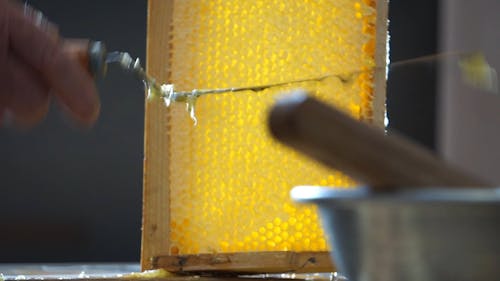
359,150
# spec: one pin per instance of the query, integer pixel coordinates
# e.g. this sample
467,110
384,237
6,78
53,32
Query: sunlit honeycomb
229,180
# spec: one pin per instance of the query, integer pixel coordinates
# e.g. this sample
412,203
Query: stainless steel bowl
421,234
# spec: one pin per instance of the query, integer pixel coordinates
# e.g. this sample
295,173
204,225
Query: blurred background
69,194
75,195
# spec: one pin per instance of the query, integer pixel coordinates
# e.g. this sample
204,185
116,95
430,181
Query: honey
229,180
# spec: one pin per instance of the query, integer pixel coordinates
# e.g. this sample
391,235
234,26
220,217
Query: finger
40,21
4,35
78,49
28,98
69,80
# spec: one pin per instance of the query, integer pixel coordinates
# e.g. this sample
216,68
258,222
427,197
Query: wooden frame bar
252,262
156,197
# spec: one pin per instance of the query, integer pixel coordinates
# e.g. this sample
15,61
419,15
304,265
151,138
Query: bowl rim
317,194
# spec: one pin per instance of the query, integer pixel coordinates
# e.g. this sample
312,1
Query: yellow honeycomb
229,180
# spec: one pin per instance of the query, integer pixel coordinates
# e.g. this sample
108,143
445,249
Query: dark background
69,194
411,89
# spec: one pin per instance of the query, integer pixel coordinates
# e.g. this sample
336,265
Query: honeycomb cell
229,180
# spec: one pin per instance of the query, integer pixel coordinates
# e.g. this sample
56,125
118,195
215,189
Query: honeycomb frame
156,245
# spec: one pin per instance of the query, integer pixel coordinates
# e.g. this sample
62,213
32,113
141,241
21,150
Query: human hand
35,65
